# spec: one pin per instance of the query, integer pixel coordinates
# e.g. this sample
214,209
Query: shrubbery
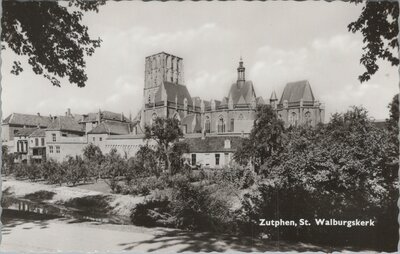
188,207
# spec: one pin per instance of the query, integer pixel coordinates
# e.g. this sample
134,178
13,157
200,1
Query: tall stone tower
159,68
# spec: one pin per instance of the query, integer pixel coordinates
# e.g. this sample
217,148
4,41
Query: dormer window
227,144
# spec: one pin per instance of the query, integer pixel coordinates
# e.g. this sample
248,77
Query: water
12,204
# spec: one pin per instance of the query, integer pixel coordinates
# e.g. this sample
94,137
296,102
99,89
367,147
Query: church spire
241,73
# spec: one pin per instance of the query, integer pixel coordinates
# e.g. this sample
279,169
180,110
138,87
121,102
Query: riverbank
27,229
118,205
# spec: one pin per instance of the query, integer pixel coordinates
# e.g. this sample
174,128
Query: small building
65,137
101,132
212,151
16,121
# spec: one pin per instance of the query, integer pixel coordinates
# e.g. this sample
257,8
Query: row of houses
36,138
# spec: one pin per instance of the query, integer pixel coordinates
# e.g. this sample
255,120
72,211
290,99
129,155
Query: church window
207,125
221,125
293,119
307,117
232,125
153,118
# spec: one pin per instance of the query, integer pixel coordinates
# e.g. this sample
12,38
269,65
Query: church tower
241,74
159,68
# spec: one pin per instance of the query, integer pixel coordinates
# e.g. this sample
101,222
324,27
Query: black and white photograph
199,126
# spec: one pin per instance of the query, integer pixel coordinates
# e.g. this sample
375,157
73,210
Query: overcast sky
280,42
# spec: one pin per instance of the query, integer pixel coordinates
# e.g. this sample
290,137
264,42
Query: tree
7,160
177,151
378,23
51,35
344,169
114,167
93,158
265,138
165,131
144,164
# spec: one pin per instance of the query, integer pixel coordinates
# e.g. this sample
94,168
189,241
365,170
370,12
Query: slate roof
212,144
38,133
173,91
295,91
242,94
104,115
27,120
114,128
66,123
188,120
197,101
260,100
24,132
273,96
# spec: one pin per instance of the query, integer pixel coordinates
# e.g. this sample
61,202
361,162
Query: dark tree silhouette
378,23
51,35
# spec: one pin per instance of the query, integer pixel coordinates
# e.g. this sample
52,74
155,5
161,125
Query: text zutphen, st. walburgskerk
317,222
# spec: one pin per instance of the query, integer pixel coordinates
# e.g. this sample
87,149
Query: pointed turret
273,100
241,73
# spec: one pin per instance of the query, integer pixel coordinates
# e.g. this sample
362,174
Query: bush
152,213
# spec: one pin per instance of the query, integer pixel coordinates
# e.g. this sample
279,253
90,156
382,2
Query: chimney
69,111
99,116
38,114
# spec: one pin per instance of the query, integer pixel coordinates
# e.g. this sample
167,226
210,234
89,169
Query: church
166,95
213,128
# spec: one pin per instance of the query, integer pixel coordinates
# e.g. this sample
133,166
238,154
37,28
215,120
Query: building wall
243,120
64,146
303,115
127,146
209,159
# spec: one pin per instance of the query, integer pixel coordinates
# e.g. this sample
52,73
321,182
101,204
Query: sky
279,42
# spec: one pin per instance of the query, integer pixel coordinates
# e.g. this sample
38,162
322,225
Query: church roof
188,120
197,101
108,127
273,96
173,91
295,91
242,94
260,100
27,120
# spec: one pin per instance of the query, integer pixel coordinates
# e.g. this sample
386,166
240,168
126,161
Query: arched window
207,125
232,125
221,124
293,119
153,118
176,116
307,117
185,104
